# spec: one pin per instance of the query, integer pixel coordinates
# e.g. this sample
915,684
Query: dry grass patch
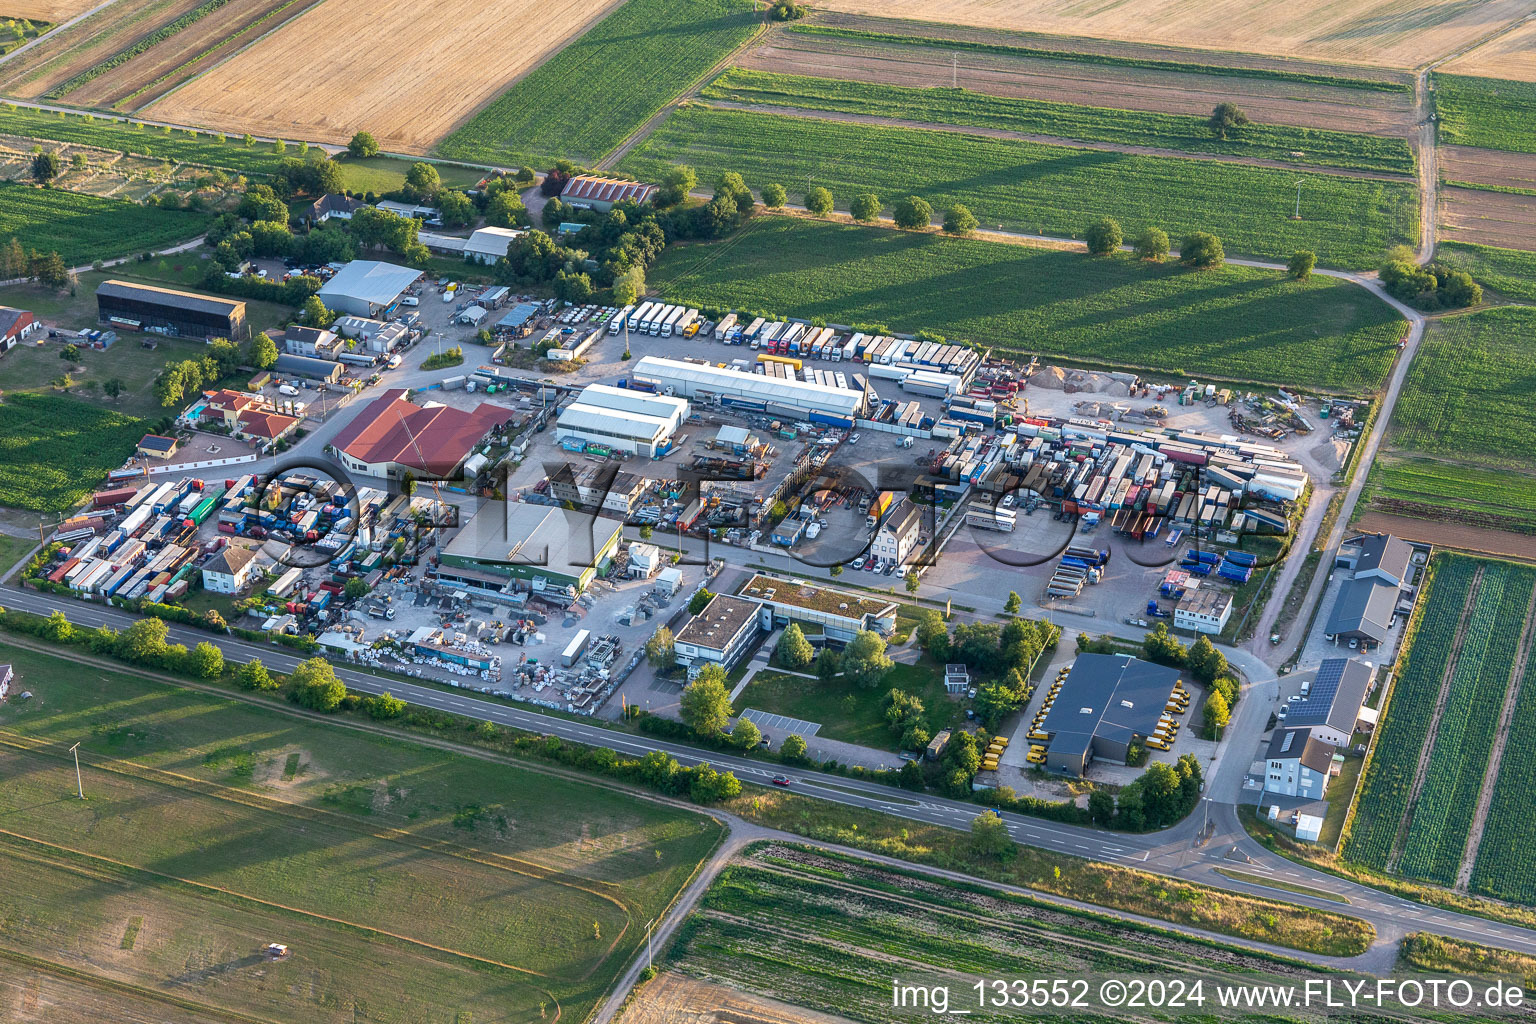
1511,55
412,82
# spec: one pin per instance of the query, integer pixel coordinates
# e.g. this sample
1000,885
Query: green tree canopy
794,650
913,213
705,705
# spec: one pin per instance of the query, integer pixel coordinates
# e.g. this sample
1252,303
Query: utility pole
954,71
79,785
1298,200
648,927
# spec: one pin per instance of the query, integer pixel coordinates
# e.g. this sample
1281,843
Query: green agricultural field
1063,120
55,449
1510,825
1487,112
1442,491
850,713
1236,322
602,88
1108,59
1468,394
1045,189
412,884
1510,272
387,173
144,140
828,932
1382,799
1453,778
83,229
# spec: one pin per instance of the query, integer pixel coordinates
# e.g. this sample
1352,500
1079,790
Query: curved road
1177,852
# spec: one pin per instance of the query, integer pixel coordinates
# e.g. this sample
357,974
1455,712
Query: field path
1051,140
1496,756
1429,170
1433,732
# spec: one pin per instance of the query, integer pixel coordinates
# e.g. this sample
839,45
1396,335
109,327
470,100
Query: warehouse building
819,403
1206,610
366,287
597,486
306,368
393,436
590,192
487,245
719,634
555,552
1363,614
1107,703
142,307
1378,556
631,421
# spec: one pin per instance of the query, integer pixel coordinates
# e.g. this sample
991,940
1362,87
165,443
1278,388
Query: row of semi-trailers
149,552
797,338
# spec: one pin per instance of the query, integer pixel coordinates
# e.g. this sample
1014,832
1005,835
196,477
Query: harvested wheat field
62,56
1385,33
1488,167
1488,218
1511,55
1096,85
673,998
199,46
393,69
46,10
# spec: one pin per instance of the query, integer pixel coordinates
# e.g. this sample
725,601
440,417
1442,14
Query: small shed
957,679
938,745
669,581
1309,827
157,446
644,559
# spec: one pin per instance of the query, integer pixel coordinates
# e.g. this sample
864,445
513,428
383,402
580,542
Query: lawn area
1488,112
181,145
1041,189
12,550
1510,272
387,173
83,229
54,449
600,89
852,714
963,107
1235,322
1469,392
1441,491
419,885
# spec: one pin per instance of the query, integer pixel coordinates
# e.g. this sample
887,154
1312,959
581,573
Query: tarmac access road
1210,838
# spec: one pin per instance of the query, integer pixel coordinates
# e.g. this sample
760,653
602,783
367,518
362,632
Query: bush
959,221
774,196
363,144
1104,237
1202,249
1152,244
865,208
913,213
314,685
1301,263
819,201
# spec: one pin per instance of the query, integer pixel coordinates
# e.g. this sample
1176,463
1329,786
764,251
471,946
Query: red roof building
249,417
392,436
596,193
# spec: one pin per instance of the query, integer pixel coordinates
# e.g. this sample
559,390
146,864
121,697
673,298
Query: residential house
230,570
898,534
1297,764
247,416
332,207
313,342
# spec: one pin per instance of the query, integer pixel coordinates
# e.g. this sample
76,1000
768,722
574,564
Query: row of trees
44,268
1200,249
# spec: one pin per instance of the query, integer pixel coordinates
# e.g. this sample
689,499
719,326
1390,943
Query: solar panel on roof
1316,706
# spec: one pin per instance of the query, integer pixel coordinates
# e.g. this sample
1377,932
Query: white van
287,389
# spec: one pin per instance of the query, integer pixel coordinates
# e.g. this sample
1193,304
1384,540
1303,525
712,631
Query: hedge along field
83,229
54,449
145,140
1045,189
1509,271
1489,112
1453,778
1470,392
1065,120
1236,322
1382,796
599,90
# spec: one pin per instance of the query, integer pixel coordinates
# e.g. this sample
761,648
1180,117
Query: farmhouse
142,307
228,571
15,325
589,192
719,634
1107,703
488,245
630,421
366,287
332,207
554,551
393,436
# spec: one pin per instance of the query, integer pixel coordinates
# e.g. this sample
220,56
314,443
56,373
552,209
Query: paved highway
1184,851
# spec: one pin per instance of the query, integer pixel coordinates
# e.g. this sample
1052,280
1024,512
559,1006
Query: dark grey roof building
1363,611
307,367
1378,556
1331,706
142,307
1107,702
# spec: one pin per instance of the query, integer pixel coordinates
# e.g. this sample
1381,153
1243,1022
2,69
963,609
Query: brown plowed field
675,999
58,58
405,72
1512,55
195,48
1488,218
1386,33
1450,535
1169,92
1488,166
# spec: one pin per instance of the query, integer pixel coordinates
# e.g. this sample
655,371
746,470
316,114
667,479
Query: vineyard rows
1184,132
1442,816
1038,188
182,146
1388,780
1505,868
83,229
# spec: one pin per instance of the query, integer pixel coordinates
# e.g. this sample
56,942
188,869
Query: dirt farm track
1385,33
392,68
